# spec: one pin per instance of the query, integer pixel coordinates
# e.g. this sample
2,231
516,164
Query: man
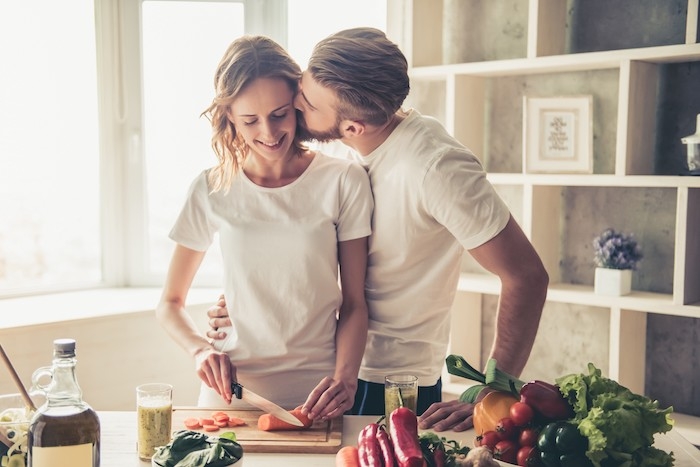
432,201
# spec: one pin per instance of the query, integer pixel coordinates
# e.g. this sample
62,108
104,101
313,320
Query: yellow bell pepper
491,409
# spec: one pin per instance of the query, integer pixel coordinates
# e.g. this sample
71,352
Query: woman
289,219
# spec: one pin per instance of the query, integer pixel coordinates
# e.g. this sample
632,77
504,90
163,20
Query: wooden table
119,445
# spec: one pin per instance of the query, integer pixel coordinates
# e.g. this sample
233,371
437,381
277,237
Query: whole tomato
528,437
528,456
488,440
506,451
506,428
521,413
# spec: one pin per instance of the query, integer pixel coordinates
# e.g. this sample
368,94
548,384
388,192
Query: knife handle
237,390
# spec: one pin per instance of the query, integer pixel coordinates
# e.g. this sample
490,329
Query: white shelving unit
458,93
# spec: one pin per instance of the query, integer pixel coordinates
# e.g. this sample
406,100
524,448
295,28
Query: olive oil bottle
65,431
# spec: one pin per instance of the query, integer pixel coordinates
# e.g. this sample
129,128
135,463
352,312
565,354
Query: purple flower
615,250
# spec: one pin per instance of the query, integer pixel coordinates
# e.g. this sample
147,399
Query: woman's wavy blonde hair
246,59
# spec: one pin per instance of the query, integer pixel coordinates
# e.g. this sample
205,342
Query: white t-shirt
432,200
280,250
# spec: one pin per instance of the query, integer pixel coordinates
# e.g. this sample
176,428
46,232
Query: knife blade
260,402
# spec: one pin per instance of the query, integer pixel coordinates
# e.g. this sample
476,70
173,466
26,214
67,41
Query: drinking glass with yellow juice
154,411
400,391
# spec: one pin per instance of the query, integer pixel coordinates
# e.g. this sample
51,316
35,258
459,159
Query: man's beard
307,134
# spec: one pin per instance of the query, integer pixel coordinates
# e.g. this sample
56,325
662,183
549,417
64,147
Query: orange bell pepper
491,409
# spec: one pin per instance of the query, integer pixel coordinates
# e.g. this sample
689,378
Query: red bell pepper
386,447
404,437
546,400
368,448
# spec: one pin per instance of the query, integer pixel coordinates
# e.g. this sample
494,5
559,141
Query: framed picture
557,134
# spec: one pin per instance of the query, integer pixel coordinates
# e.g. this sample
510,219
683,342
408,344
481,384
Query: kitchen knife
260,402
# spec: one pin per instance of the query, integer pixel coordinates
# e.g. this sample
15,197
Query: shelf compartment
505,122
500,33
565,220
687,261
672,375
590,23
676,115
486,114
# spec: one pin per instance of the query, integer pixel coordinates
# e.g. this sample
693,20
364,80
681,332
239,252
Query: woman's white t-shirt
280,251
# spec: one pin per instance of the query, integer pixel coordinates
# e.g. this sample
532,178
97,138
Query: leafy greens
193,449
619,424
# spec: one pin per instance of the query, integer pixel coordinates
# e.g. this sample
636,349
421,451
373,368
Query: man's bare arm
524,281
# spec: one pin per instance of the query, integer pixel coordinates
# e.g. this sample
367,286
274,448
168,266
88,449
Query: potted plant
616,256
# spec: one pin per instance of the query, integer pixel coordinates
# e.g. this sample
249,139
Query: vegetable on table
347,456
194,449
493,377
521,413
546,400
506,450
488,440
439,451
268,422
479,457
217,420
368,448
404,438
528,456
562,445
491,409
619,425
387,449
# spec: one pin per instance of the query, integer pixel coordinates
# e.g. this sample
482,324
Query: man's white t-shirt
432,201
280,251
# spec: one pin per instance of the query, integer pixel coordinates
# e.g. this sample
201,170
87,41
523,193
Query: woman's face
264,115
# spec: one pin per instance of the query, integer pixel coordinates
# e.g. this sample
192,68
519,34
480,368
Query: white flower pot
613,282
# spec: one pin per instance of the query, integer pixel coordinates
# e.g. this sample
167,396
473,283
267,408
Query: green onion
493,378
501,380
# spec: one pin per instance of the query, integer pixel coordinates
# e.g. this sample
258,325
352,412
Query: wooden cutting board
323,437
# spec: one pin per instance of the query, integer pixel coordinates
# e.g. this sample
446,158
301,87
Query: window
182,43
100,127
49,154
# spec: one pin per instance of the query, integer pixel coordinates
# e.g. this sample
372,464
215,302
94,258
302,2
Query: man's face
318,116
